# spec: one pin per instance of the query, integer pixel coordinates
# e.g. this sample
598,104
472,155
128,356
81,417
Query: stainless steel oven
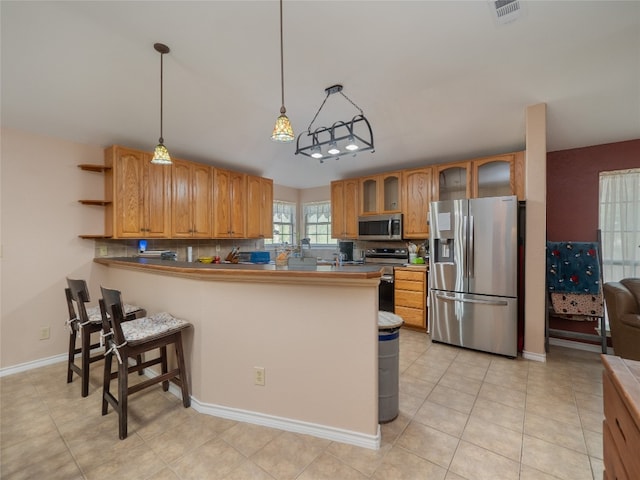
387,258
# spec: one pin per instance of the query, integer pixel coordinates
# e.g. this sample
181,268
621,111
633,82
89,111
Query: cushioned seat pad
153,326
96,317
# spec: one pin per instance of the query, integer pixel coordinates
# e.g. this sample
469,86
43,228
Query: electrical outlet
45,333
102,251
258,376
217,248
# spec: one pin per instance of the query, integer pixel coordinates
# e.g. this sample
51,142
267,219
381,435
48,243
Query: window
317,223
284,223
620,224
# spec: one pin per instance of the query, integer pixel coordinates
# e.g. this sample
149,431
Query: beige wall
41,220
317,343
40,223
535,260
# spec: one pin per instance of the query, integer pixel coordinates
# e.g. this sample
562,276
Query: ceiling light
161,154
333,148
315,152
341,138
282,131
351,144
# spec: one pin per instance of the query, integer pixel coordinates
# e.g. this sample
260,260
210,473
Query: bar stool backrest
112,313
79,293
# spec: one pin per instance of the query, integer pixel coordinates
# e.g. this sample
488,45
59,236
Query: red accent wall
573,196
572,187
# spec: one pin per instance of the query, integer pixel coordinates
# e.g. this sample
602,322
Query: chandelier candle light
282,132
341,138
161,154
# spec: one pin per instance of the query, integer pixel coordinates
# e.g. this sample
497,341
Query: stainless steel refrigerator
473,267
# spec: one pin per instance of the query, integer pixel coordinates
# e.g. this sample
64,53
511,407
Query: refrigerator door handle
444,296
471,257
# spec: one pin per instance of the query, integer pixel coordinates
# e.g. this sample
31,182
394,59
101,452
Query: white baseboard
536,357
588,347
23,367
281,423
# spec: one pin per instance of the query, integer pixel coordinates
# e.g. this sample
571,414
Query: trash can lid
388,320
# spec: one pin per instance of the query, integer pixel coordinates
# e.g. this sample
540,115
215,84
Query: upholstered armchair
623,306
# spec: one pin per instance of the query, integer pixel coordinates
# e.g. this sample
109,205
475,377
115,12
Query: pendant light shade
160,153
282,131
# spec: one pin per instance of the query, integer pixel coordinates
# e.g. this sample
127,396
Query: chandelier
341,138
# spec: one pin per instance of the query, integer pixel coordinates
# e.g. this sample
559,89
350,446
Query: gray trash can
388,359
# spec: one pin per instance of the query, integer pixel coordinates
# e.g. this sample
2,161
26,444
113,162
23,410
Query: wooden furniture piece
140,193
87,167
85,321
229,204
191,199
621,427
133,339
344,209
416,197
623,305
569,265
380,193
259,207
410,291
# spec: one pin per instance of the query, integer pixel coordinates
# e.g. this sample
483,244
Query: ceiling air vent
505,10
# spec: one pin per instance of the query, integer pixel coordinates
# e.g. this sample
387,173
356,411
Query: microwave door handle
389,228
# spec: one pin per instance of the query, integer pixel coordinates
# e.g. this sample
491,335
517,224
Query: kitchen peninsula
314,332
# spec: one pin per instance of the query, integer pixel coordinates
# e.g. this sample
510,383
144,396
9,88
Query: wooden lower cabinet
621,427
410,292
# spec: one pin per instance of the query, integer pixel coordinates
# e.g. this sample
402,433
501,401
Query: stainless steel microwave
380,227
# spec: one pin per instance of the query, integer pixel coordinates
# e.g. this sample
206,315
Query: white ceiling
438,81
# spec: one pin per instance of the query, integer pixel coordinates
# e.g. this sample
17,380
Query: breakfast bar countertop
246,271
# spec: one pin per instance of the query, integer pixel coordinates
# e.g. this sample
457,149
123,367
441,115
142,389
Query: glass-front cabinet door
493,178
452,181
498,176
390,183
380,193
369,194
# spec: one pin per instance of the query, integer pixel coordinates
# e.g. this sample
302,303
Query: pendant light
342,138
161,154
282,132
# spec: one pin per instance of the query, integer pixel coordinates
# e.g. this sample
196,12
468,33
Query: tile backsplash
201,247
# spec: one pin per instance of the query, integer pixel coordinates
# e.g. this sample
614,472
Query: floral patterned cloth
96,317
573,267
156,325
578,306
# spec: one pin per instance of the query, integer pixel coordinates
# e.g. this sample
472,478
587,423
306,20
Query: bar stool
85,321
132,339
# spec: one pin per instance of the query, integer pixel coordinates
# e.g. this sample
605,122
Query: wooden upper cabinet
191,200
416,196
229,204
498,176
344,208
380,193
452,181
493,176
259,207
140,195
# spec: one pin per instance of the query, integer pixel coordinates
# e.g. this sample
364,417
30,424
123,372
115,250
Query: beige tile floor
463,415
